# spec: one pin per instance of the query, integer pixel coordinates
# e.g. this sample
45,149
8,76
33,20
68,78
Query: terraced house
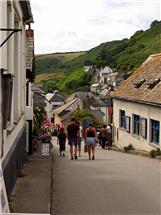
137,107
14,16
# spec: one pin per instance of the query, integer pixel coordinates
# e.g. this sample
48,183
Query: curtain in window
7,87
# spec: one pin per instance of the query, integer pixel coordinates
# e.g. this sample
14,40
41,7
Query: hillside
67,75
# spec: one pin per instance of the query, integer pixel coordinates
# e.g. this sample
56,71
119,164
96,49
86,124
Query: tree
154,23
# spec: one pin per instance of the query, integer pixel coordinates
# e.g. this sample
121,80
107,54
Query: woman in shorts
90,141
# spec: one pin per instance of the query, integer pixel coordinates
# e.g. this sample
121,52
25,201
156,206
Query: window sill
136,136
17,119
122,129
154,145
10,128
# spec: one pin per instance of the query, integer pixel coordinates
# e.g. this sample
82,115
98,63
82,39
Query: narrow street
115,184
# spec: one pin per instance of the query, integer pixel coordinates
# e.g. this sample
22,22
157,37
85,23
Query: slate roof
64,107
140,86
57,98
96,102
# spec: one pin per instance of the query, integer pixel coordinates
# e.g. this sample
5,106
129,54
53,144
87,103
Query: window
136,124
139,83
122,118
153,83
105,80
155,127
143,127
7,83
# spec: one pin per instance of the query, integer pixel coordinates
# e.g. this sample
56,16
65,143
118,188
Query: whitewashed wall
121,137
12,58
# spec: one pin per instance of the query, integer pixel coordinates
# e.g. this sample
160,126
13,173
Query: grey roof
57,98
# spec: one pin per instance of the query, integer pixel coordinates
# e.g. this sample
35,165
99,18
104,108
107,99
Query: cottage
14,16
137,107
54,100
88,66
63,113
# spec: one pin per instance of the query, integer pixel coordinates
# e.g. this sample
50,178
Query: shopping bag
85,148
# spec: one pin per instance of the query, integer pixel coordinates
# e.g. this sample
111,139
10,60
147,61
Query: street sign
4,207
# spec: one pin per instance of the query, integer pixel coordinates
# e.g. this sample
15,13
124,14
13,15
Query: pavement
114,183
31,193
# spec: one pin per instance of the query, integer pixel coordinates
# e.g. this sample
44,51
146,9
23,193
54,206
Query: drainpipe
30,151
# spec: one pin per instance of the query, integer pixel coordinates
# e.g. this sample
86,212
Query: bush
129,147
154,153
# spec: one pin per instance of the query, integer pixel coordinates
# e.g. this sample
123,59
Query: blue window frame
136,124
122,119
155,128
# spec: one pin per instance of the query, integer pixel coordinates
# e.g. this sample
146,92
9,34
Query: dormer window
138,84
153,83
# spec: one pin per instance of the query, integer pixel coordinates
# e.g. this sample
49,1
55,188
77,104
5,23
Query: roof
48,96
144,85
64,107
79,95
57,98
39,100
36,88
97,102
95,85
107,70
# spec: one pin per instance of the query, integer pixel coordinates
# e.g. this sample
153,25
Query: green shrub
154,153
128,148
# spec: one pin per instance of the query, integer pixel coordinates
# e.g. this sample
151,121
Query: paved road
113,184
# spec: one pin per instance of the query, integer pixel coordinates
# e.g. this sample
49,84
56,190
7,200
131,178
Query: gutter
138,101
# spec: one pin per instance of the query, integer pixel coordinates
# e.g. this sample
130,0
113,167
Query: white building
54,100
108,76
137,107
14,16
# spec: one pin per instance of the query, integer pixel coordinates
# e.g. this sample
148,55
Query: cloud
75,25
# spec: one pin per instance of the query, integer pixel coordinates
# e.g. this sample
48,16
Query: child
61,141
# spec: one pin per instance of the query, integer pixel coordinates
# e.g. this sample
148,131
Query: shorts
79,143
90,141
73,141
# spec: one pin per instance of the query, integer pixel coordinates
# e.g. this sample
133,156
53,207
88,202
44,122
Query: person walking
109,130
80,135
61,141
72,134
90,141
103,136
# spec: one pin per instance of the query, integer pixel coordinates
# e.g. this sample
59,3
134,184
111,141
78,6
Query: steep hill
66,73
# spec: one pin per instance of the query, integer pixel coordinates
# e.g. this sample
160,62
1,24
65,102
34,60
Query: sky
79,25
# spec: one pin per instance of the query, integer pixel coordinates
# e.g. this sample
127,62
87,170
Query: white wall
123,138
12,58
1,3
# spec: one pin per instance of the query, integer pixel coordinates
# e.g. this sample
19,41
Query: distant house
99,109
95,88
137,107
14,16
38,96
105,75
55,100
88,66
63,113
